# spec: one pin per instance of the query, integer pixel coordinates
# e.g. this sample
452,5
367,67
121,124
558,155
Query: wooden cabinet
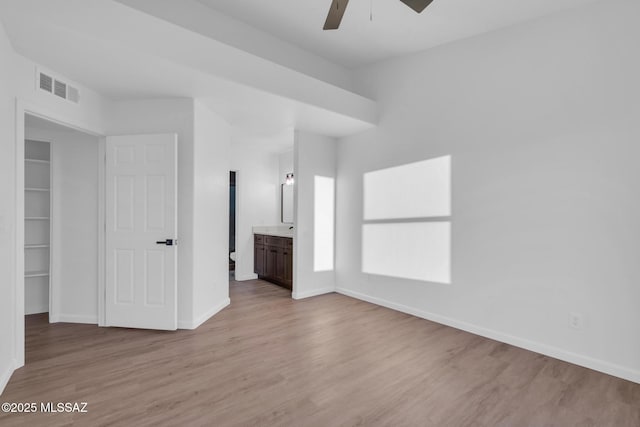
259,259
273,259
288,266
272,263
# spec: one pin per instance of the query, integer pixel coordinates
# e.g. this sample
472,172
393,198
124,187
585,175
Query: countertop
278,231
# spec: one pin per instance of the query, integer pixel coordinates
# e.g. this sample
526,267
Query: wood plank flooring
268,360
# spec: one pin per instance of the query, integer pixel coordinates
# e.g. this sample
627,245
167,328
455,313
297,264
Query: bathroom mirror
286,204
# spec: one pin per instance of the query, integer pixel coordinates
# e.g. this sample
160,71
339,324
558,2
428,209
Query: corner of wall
10,335
211,136
5,375
197,322
313,155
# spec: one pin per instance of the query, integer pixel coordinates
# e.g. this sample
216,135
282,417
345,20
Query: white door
141,232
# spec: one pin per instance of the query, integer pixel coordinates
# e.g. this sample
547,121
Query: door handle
168,242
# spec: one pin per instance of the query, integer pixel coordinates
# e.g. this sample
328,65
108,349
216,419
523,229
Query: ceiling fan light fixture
336,11
417,5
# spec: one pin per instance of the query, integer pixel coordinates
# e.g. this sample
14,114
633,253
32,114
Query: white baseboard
313,293
206,316
243,277
37,310
74,318
5,375
555,352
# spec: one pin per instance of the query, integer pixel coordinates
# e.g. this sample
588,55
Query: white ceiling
395,29
128,53
123,53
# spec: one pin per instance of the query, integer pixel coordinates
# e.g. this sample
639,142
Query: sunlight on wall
406,234
411,250
324,222
415,190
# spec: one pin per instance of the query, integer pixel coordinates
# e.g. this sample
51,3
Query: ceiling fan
338,7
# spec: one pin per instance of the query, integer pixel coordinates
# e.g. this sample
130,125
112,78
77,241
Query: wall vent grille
57,87
46,82
72,94
60,89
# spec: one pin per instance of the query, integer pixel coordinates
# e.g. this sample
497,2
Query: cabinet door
279,273
288,268
272,261
259,258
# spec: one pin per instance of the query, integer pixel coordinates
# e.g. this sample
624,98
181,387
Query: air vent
46,82
72,94
57,87
60,89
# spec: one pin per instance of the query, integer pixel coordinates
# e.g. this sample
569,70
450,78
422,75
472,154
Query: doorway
60,240
61,221
232,224
72,265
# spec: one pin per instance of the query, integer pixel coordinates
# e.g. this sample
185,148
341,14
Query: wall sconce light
289,179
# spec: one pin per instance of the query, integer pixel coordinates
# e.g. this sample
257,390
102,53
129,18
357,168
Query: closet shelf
36,274
36,246
44,162
44,190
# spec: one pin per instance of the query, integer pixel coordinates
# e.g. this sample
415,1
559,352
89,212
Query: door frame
22,108
235,237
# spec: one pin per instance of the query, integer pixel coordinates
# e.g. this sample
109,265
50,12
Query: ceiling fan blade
335,14
417,5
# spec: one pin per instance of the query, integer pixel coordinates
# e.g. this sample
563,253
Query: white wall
88,114
257,198
313,155
74,160
74,223
212,137
169,116
8,316
285,162
542,124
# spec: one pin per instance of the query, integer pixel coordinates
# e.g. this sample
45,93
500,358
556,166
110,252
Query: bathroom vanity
273,258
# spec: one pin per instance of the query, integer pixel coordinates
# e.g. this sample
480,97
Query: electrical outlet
576,320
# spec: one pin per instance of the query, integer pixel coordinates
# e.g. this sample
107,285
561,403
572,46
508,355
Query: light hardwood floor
326,361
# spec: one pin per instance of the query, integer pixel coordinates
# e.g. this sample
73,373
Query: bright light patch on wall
415,190
324,220
416,250
405,234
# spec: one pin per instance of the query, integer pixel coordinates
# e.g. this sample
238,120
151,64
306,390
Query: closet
37,209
